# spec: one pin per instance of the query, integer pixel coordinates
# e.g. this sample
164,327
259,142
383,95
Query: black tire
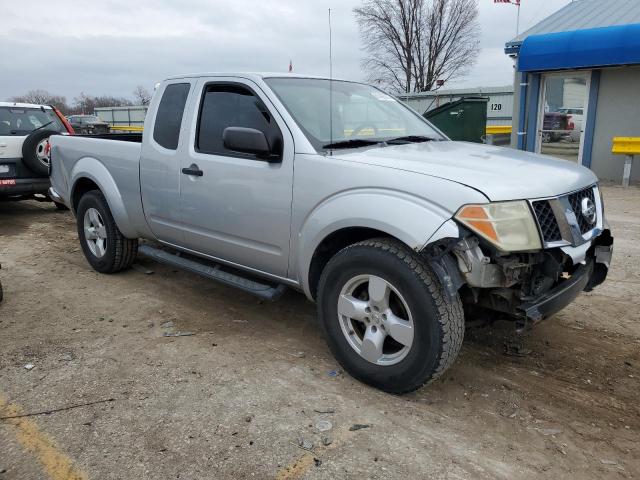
29,153
120,251
438,320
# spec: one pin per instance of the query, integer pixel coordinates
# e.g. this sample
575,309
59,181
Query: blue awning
594,47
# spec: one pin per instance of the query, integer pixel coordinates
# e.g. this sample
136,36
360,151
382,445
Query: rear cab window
166,130
21,121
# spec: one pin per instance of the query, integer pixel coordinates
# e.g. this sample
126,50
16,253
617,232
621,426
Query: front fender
410,219
94,170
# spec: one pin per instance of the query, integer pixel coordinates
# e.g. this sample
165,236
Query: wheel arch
371,213
332,244
90,174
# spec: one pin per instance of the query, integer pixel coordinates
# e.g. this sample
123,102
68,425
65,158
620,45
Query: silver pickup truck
336,189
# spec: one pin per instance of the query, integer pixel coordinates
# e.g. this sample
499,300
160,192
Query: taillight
570,125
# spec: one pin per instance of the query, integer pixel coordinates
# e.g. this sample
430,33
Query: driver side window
232,105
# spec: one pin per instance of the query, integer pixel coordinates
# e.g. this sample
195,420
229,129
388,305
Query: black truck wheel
104,246
36,153
387,317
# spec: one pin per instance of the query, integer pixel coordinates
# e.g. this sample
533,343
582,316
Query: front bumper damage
528,287
589,272
551,302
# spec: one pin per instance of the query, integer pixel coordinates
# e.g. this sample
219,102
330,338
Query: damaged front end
529,286
524,286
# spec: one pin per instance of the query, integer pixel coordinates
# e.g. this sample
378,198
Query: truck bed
112,161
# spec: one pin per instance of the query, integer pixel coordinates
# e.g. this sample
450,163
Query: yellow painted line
129,128
302,464
296,469
55,464
496,129
626,145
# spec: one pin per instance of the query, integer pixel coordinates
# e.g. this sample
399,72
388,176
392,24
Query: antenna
330,88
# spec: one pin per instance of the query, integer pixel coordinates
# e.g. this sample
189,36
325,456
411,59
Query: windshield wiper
363,142
42,126
411,139
352,143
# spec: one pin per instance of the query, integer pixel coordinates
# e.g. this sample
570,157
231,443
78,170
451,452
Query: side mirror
246,140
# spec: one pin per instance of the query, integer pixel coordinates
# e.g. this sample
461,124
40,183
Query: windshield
359,112
22,121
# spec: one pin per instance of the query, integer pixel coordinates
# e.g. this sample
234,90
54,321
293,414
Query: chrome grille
575,200
547,221
560,219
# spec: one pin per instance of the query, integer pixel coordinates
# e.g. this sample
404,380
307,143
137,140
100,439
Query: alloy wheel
95,232
375,320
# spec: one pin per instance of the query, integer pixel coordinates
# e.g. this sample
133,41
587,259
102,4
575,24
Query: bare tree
387,28
141,95
42,97
411,44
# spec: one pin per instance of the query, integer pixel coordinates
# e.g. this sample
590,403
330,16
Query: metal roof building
577,83
581,15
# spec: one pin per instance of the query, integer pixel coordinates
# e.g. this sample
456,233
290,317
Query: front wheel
104,246
386,316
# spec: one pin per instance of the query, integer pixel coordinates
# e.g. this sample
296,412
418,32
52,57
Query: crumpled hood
499,173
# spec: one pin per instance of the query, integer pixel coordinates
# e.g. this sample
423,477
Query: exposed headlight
509,226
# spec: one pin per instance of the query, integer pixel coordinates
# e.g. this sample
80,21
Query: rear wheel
387,317
104,246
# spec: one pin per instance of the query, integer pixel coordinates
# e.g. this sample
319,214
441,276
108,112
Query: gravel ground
236,396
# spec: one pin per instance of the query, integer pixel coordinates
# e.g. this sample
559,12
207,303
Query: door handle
193,170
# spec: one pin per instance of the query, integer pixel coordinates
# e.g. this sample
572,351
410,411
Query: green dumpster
464,119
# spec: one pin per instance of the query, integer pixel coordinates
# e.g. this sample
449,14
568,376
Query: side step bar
261,290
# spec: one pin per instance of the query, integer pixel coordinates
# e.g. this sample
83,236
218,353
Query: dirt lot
234,399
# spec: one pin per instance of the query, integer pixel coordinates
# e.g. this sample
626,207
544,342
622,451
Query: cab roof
251,75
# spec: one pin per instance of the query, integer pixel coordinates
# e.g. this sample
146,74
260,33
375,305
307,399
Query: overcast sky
110,46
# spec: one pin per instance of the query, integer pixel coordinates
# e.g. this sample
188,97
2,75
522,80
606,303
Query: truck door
160,164
236,206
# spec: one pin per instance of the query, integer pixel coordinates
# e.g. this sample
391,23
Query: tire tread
125,249
450,311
